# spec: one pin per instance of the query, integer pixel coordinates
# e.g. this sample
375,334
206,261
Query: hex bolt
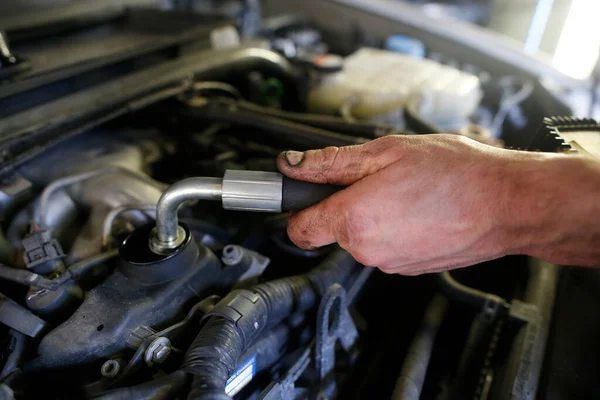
158,351
110,368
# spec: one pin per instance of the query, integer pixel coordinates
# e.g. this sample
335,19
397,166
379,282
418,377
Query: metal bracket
333,322
285,389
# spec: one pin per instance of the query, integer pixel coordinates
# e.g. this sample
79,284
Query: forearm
554,209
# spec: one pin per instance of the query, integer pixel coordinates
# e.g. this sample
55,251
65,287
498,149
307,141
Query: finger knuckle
325,161
363,257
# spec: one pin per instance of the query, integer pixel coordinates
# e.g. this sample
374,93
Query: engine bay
89,309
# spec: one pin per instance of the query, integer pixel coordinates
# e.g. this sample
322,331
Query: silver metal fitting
158,351
166,247
252,191
238,190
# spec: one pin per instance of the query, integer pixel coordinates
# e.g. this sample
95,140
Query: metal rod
168,234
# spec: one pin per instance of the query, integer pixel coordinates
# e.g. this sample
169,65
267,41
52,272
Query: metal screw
158,351
110,368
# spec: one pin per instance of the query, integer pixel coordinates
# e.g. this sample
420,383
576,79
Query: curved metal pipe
168,235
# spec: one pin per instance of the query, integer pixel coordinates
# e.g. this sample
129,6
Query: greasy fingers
340,165
315,226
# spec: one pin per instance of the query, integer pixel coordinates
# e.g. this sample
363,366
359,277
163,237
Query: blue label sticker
241,376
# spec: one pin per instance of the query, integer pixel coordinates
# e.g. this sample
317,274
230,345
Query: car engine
134,263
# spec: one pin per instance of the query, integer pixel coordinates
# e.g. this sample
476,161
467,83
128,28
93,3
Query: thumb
340,165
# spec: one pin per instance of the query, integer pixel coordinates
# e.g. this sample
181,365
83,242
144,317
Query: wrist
548,198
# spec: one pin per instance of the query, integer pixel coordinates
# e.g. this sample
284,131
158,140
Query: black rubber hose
238,319
301,135
417,123
464,294
412,375
336,124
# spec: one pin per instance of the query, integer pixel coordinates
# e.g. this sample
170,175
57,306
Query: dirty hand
420,204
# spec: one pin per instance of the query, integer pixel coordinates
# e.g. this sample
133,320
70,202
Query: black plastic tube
243,315
413,372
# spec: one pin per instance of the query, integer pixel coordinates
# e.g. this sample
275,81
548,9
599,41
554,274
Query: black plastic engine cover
146,290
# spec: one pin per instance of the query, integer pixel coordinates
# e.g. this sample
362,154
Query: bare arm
419,204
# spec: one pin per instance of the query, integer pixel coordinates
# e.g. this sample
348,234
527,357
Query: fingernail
293,158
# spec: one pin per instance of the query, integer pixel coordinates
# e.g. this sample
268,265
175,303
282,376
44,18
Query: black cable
243,315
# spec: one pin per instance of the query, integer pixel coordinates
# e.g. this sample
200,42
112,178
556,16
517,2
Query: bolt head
160,354
158,351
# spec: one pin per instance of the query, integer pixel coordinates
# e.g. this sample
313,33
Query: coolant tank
380,82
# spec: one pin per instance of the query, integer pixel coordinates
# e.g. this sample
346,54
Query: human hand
414,204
